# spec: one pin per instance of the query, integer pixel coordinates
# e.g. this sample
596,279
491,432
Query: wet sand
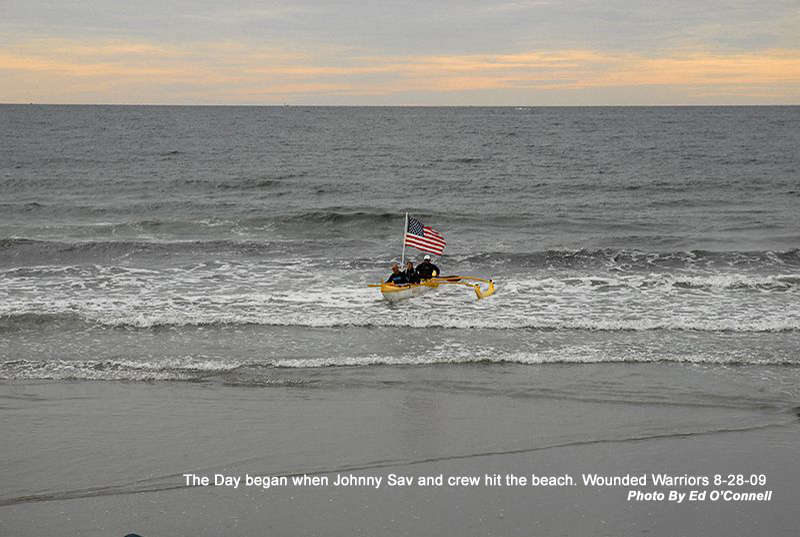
107,458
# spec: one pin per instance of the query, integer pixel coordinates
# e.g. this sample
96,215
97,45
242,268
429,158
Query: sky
507,53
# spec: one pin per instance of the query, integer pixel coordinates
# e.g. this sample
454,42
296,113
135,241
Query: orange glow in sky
213,63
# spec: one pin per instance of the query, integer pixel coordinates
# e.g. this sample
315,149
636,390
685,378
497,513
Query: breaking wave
174,369
140,320
26,251
628,260
20,248
272,373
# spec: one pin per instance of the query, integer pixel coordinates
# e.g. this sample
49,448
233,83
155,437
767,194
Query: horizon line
295,105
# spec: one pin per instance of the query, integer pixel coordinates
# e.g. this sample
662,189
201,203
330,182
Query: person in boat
397,277
427,270
411,274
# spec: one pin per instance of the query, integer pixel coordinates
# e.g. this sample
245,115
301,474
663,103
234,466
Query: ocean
173,270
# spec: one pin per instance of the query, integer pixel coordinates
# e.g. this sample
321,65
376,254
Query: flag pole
405,229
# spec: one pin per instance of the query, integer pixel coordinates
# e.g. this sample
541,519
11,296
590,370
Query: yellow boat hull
396,293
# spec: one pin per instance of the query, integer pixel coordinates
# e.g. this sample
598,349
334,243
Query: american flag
424,238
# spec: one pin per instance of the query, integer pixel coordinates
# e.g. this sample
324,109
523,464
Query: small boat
396,293
427,239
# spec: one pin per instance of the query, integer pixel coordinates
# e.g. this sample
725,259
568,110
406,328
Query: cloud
119,71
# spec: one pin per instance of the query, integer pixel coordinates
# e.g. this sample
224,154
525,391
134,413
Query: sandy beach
99,459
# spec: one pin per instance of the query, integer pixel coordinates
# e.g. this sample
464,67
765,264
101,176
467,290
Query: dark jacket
411,276
397,279
427,270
